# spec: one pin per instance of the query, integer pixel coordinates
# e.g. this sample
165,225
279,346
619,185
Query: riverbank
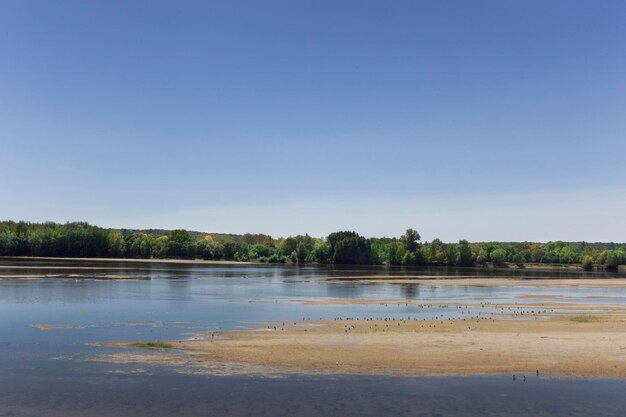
477,267
130,260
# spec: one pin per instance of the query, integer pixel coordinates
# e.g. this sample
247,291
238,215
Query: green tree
465,253
396,253
180,236
587,262
319,253
288,246
452,255
614,258
8,243
435,252
498,256
349,248
301,253
410,239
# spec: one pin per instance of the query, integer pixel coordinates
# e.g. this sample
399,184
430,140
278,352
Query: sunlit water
55,372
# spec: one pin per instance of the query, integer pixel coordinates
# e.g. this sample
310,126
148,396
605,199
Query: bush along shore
79,239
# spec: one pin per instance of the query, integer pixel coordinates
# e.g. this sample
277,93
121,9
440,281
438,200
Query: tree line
79,239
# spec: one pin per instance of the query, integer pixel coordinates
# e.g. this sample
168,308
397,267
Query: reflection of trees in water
179,289
351,290
410,291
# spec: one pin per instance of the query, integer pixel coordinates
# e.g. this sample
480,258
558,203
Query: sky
478,120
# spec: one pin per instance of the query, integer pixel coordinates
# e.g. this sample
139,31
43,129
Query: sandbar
564,344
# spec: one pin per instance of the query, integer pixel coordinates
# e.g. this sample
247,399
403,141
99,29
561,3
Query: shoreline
487,267
134,260
436,280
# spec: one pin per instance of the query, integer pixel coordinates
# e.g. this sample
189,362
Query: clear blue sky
483,120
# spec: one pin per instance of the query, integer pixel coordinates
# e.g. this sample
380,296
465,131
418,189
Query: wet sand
511,305
54,327
565,344
565,339
493,282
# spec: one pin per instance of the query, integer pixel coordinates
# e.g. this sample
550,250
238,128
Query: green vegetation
584,319
151,345
344,247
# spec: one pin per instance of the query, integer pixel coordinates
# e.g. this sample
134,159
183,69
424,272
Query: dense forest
84,240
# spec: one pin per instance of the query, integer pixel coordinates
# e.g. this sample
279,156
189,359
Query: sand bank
53,327
491,282
567,344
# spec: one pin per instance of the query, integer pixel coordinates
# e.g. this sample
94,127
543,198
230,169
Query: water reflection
49,372
410,291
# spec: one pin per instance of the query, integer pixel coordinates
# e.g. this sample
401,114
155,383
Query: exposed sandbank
501,308
577,339
53,327
493,282
565,344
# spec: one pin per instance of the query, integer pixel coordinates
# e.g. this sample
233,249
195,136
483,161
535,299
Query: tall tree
410,239
115,241
465,253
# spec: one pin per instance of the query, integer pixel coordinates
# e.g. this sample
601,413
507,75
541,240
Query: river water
53,313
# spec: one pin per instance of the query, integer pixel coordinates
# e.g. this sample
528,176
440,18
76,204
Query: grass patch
152,345
584,319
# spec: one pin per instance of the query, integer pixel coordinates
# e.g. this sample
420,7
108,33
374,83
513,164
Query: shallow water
97,394
56,370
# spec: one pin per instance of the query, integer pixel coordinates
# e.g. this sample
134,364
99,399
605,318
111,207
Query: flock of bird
461,313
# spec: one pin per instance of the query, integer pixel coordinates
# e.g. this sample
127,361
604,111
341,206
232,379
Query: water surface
57,371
